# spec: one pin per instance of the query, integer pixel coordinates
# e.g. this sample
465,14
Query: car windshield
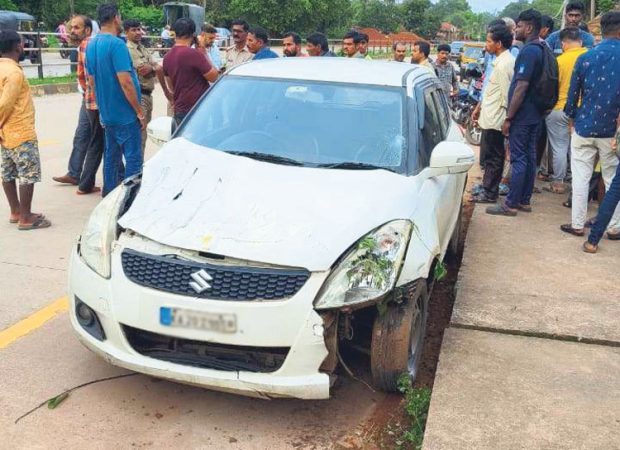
299,122
26,25
473,52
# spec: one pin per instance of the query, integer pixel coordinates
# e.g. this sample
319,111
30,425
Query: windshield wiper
269,158
353,166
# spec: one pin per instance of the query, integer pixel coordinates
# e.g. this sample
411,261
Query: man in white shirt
491,113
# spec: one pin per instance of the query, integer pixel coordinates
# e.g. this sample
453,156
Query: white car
302,205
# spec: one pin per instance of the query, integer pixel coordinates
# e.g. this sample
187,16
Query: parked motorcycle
464,103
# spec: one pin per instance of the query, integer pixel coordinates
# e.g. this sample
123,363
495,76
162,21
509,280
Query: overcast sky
488,5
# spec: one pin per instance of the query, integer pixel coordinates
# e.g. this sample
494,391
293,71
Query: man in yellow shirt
19,151
557,122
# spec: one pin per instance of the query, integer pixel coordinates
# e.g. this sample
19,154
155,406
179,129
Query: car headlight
100,232
369,270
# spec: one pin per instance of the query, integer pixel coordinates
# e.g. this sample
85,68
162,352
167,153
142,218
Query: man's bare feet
94,190
14,218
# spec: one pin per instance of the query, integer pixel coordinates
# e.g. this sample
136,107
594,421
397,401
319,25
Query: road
136,411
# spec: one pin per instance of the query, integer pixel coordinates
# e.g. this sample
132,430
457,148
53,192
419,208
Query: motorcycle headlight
100,232
369,270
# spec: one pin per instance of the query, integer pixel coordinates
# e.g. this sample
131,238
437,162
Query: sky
488,5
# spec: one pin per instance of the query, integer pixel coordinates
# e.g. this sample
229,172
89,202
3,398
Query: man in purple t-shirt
188,70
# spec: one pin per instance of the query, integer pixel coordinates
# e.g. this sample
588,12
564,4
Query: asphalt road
40,358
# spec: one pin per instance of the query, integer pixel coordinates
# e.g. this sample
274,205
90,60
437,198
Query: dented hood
201,199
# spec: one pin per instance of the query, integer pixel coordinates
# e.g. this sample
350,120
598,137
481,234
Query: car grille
171,274
205,355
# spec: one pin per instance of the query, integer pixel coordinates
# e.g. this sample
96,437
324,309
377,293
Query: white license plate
197,320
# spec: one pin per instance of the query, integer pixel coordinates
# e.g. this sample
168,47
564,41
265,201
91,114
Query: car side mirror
450,158
159,130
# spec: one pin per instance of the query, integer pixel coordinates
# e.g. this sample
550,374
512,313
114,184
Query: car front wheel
398,338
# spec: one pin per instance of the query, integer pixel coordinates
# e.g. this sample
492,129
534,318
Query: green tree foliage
8,5
419,16
384,15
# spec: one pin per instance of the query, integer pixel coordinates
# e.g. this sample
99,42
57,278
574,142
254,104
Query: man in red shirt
188,70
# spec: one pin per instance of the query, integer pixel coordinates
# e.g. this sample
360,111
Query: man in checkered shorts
19,151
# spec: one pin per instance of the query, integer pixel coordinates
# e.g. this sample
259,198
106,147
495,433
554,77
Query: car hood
201,199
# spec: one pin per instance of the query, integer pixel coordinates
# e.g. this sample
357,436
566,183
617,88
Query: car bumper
290,323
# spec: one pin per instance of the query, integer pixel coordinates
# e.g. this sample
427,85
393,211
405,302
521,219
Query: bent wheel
398,339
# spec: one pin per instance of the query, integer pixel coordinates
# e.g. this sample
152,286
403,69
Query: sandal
567,204
589,248
525,208
555,188
613,236
568,228
483,198
501,210
39,223
94,190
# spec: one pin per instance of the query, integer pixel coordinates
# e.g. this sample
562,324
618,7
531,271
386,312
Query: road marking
32,322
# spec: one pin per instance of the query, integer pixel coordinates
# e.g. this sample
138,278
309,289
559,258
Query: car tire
398,338
472,133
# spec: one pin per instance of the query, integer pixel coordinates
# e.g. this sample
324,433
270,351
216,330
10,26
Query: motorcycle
464,103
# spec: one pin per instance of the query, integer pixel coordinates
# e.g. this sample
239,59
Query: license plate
197,320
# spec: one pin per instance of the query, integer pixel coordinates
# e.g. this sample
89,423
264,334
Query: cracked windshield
313,124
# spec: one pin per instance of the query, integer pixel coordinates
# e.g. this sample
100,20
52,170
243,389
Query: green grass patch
53,80
417,401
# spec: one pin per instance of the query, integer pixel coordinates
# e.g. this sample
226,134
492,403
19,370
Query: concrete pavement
129,412
532,357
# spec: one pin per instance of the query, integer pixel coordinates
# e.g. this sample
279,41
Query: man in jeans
81,30
19,152
142,60
523,119
557,122
594,105
188,70
117,93
491,112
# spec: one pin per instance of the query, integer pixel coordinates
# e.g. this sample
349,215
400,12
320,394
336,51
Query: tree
384,15
419,17
513,9
8,5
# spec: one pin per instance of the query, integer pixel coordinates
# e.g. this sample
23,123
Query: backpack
546,89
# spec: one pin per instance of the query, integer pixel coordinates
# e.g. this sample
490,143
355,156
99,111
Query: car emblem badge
200,283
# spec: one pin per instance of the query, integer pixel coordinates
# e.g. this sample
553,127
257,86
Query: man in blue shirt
117,92
258,43
523,119
573,15
593,105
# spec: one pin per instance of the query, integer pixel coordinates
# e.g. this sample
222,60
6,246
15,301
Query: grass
53,80
417,401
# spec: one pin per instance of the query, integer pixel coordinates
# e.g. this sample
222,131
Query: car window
434,130
473,52
313,123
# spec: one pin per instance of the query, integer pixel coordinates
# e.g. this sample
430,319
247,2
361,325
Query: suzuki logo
200,281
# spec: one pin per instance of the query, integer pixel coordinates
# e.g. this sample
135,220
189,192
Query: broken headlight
369,270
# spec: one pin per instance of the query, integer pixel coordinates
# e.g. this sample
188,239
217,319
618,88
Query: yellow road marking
32,322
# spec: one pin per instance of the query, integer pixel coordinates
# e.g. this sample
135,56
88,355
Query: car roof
331,69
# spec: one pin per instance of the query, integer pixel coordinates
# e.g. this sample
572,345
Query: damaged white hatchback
301,208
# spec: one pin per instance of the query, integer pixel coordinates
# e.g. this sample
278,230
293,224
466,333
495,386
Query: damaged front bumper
122,307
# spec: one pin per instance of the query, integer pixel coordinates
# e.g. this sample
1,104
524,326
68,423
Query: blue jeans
80,144
121,141
606,210
523,140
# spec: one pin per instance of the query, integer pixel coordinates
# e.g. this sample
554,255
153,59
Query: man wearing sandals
20,152
594,105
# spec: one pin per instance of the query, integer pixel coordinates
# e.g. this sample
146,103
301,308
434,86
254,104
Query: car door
440,194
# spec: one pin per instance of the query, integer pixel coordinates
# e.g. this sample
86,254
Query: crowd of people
550,109
550,104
